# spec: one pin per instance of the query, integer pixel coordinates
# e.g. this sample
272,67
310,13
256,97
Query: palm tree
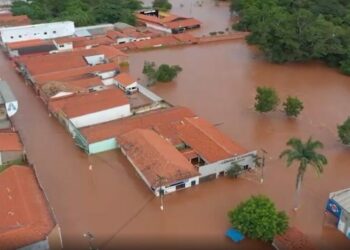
305,154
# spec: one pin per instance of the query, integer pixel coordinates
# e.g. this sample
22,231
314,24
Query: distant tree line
82,12
298,30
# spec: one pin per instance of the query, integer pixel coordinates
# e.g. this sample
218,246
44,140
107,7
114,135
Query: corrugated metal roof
6,92
342,197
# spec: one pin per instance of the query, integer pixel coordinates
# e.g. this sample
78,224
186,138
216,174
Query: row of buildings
27,221
85,84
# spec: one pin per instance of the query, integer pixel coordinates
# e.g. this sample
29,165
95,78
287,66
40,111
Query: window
54,31
45,33
11,37
20,36
61,45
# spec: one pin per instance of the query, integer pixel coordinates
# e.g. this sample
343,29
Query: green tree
306,156
234,170
293,106
162,5
149,69
344,132
167,73
266,99
293,31
258,218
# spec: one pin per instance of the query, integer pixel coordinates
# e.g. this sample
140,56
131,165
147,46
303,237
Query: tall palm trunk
298,189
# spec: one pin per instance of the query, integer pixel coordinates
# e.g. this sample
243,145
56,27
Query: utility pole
90,238
262,165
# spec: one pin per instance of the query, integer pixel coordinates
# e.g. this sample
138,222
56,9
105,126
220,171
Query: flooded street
218,82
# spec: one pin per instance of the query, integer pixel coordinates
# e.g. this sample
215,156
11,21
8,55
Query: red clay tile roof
147,120
76,73
29,43
93,41
44,64
8,20
125,79
206,140
10,142
157,41
86,83
293,239
25,216
170,21
155,157
190,22
113,34
75,106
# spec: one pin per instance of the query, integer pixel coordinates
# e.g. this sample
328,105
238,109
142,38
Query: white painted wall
224,165
37,31
158,27
168,190
95,59
101,116
107,74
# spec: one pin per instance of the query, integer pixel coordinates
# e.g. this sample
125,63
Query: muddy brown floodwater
218,82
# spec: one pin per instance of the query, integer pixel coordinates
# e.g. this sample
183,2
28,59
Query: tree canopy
266,99
163,5
344,132
258,218
293,106
295,30
82,12
164,73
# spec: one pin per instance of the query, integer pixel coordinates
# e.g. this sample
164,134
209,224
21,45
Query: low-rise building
26,219
37,31
11,148
160,165
166,22
91,108
126,82
29,47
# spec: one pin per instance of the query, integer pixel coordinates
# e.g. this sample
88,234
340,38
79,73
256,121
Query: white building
92,108
126,82
37,31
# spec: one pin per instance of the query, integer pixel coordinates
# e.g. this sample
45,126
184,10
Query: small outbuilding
126,82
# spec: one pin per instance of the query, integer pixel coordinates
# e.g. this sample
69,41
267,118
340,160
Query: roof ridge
200,129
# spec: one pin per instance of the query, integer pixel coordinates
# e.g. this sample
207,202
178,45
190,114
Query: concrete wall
102,146
224,165
172,188
8,156
108,74
101,116
38,31
96,59
158,27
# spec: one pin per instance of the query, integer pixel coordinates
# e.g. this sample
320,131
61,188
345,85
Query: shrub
266,99
163,5
258,218
234,170
167,73
293,106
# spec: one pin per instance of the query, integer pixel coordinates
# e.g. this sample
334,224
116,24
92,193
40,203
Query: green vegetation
82,12
258,218
10,163
162,5
305,154
293,106
266,99
234,170
165,72
292,31
344,132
